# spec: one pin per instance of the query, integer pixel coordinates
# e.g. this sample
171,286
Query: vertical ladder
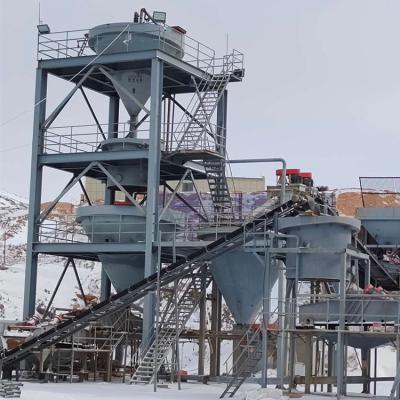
246,363
172,322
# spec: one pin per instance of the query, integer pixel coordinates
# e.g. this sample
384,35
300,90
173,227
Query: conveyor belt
137,291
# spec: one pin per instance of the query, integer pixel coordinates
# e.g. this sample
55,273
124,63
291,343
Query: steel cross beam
120,187
184,201
61,106
198,195
174,192
93,113
74,180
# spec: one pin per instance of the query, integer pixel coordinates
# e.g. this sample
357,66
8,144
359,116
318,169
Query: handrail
245,337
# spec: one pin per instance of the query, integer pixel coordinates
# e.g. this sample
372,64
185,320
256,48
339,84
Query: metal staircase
379,274
247,361
219,190
116,331
329,287
199,134
173,319
199,130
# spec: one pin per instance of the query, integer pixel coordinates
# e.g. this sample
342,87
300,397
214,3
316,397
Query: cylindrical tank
319,233
122,224
133,175
383,224
107,38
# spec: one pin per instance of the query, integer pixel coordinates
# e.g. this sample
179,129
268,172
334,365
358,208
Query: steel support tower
181,139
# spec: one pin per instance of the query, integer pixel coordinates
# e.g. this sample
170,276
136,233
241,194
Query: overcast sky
322,85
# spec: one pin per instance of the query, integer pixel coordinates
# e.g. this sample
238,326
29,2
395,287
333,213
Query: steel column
215,348
35,192
340,364
202,326
281,349
265,319
222,112
109,197
153,183
308,363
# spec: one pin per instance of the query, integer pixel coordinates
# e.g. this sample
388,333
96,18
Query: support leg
35,194
153,181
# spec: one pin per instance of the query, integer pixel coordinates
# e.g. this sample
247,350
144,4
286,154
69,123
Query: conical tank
136,83
323,234
240,276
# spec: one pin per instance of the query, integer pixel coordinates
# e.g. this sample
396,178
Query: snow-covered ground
192,391
110,391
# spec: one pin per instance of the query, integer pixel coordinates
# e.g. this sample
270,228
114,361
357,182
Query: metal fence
74,43
381,191
88,138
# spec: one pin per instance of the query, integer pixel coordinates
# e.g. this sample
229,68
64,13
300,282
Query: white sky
322,86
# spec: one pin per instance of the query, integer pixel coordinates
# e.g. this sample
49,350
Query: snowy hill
13,234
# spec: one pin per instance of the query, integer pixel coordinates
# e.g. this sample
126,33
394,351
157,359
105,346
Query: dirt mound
347,202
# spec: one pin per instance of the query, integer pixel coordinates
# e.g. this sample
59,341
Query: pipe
266,160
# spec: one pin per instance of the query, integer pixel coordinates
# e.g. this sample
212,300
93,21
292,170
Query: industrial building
96,189
303,284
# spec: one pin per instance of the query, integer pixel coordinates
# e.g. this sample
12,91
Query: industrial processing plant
274,285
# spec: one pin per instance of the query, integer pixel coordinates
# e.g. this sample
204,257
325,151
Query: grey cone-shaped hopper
240,277
136,82
126,37
383,224
319,233
121,224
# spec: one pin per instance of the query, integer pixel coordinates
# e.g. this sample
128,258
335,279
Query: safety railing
381,310
75,43
88,138
97,229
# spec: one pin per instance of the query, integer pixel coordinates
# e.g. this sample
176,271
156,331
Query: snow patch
265,394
